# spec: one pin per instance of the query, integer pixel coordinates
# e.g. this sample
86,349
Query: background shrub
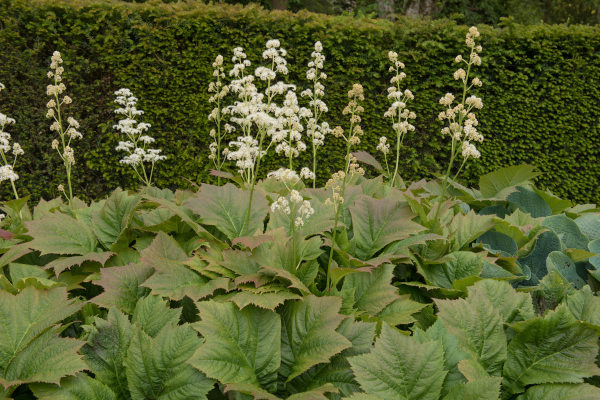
541,89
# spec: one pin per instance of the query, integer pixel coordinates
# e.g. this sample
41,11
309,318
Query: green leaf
226,207
567,231
153,314
260,297
308,333
513,306
561,391
460,265
400,311
535,262
122,286
106,350
173,278
79,387
337,371
373,290
500,183
479,328
485,388
379,222
241,346
61,234
30,347
465,228
589,225
399,367
584,306
452,352
555,348
114,217
60,264
559,262
157,368
527,200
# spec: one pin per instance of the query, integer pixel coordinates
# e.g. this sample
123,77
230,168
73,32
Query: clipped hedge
541,88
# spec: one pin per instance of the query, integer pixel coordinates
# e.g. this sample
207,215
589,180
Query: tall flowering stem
55,112
337,183
141,158
316,130
294,206
399,114
218,91
460,115
7,171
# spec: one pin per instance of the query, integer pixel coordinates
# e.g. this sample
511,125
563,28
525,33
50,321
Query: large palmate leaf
584,306
500,183
400,368
241,346
453,354
379,222
338,371
373,290
555,348
486,388
562,264
479,328
513,306
157,367
61,234
122,286
567,230
152,314
172,277
114,217
561,391
30,347
460,265
79,387
60,264
226,207
465,228
589,225
106,350
308,333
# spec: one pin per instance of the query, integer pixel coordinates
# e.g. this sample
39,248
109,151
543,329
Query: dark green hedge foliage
541,87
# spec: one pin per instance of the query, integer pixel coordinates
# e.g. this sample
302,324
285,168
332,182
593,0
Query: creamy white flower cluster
397,111
296,207
256,115
383,146
54,106
7,172
218,91
354,109
461,119
138,140
316,130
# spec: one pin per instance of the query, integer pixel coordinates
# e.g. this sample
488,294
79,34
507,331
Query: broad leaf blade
309,334
398,367
241,346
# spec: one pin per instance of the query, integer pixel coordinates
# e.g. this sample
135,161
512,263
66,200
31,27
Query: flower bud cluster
295,206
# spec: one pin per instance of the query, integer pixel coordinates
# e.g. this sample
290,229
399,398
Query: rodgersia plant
62,145
399,114
7,171
316,130
138,154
